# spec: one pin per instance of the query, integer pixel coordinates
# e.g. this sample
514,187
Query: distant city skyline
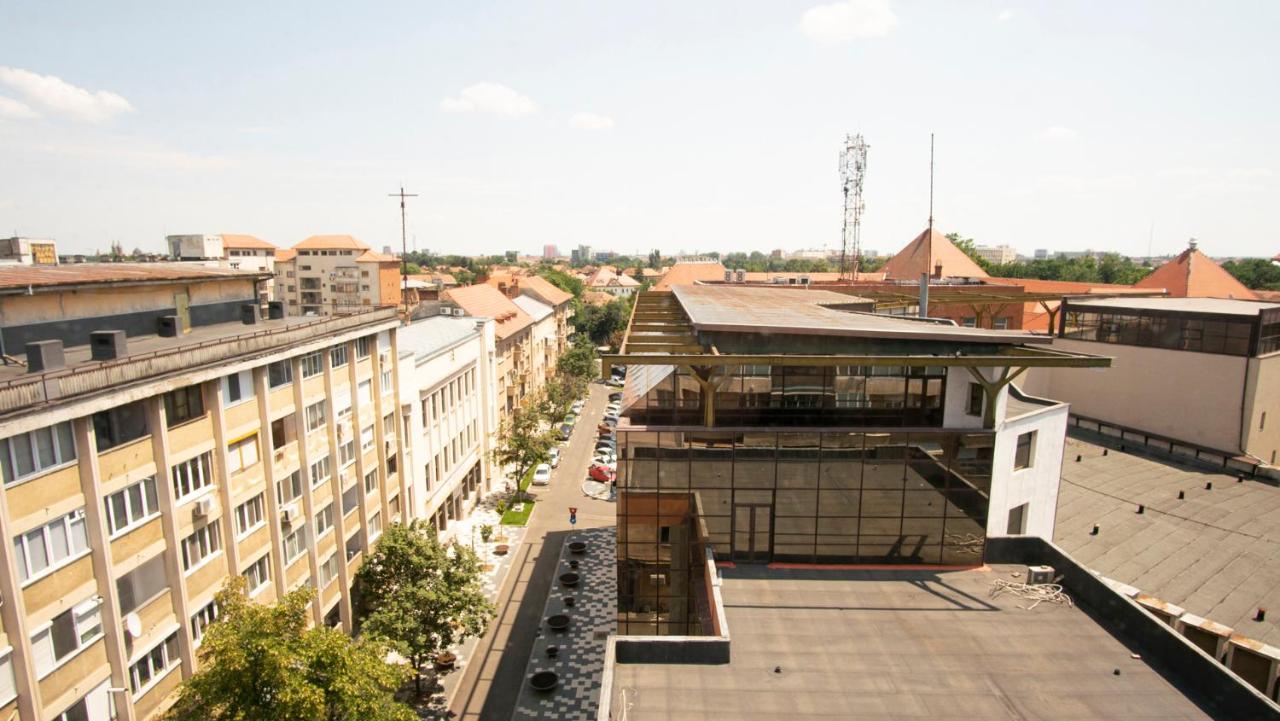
712,127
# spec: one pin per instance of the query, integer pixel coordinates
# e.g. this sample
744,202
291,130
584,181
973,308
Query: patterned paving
581,647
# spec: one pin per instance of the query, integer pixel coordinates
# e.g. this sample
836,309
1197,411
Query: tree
559,394
563,281
419,596
464,277
523,443
412,269
1255,273
655,259
579,361
262,663
969,248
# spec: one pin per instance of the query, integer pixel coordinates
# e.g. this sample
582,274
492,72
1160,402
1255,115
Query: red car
600,473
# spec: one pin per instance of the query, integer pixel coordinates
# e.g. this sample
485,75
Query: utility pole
404,248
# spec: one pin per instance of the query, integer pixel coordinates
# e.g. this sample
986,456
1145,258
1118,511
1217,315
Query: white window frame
346,453
299,538
8,682
312,365
244,386
200,621
324,569
263,562
323,514
338,352
83,616
210,535
134,517
167,662
199,471
320,419
364,392
61,459
250,516
22,544
371,481
367,439
324,464
375,526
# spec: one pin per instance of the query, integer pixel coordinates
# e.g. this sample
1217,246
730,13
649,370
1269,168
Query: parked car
615,381
566,431
542,475
604,429
615,396
571,419
577,406
555,457
600,473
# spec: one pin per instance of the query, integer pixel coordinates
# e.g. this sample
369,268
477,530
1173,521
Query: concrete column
305,504
270,506
100,554
13,611
340,526
213,402
169,527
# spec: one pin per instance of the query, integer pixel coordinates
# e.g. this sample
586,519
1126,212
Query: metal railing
1133,437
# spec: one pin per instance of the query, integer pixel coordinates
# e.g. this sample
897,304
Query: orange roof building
327,274
486,301
690,272
931,252
331,242
244,242
1194,275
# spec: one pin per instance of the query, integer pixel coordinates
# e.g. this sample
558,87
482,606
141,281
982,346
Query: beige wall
108,300
1263,438
1192,397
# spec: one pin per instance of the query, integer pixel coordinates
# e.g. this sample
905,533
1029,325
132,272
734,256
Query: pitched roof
285,254
233,240
601,278
485,301
371,257
925,252
625,281
331,242
595,297
534,307
544,290
1194,275
688,273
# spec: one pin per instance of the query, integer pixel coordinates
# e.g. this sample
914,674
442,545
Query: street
491,681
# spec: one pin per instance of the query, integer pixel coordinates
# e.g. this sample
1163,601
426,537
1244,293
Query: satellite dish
133,624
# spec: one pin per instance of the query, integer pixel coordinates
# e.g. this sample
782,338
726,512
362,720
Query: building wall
366,285
1192,397
1037,485
388,283
1262,398
87,482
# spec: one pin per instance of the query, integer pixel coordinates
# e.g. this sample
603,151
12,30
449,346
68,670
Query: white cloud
57,96
1005,16
489,98
1057,133
849,20
591,121
11,109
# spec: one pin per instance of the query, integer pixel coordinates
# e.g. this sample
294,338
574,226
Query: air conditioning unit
384,357
1039,574
205,507
288,515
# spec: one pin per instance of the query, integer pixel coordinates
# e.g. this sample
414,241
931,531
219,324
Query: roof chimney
107,345
44,355
1191,244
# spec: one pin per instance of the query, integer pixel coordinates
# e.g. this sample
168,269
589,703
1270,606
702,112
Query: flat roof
1220,306
427,337
761,309
1216,553
18,278
916,644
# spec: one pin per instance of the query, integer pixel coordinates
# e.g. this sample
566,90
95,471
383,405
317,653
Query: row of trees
1106,268
262,662
1255,273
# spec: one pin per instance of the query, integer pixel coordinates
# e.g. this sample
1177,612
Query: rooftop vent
249,313
741,275
44,355
169,326
275,310
107,345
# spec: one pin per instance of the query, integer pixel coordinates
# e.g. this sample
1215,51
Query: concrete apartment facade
1204,371
449,409
513,341
330,274
142,469
556,328
768,425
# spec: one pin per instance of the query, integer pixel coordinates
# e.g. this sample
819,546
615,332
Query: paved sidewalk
488,687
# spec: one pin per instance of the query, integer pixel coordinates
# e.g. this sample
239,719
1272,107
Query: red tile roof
371,257
545,291
1194,275
331,242
690,273
233,240
486,301
925,252
285,254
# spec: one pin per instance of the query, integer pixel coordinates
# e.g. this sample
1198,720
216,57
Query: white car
555,457
577,406
542,475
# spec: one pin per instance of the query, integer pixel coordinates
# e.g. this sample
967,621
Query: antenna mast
404,247
853,168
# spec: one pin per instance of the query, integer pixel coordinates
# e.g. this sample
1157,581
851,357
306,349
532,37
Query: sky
683,126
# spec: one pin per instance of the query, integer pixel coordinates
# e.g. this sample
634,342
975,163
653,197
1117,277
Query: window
183,405
366,439
338,356
1017,520
389,427
976,400
142,584
237,387
250,515
969,322
191,476
282,432
371,481
386,382
51,546
320,471
375,525
201,619
1000,323
242,453
329,569
364,345
8,685
203,544
68,633
354,545
258,574
28,454
295,544
350,499
119,425
131,506
154,663
315,416
280,373
1024,456
347,453
324,521
312,365
289,488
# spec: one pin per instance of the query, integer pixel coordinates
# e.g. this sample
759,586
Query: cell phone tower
853,168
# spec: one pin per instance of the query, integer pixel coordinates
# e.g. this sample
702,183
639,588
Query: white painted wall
1036,485
957,398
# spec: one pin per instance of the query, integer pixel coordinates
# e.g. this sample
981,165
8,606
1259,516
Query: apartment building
539,289
449,410
233,250
159,437
513,334
330,274
784,425
28,251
